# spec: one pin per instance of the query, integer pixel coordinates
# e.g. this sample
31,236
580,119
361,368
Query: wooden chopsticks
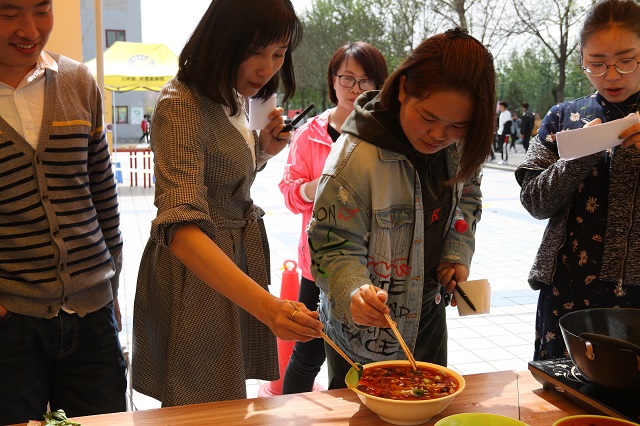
405,348
342,354
403,344
330,342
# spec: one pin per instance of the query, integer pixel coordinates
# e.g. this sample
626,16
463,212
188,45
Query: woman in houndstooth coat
204,320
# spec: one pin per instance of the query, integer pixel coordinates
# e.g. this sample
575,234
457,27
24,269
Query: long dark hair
227,34
368,56
455,62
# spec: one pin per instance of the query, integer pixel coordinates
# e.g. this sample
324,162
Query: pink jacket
309,149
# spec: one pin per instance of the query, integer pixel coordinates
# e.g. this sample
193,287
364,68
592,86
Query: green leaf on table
353,376
58,418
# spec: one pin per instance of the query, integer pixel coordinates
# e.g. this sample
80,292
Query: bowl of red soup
400,395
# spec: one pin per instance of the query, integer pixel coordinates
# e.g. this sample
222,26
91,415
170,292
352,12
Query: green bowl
475,419
591,419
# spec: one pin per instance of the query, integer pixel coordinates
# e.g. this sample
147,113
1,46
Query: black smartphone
297,119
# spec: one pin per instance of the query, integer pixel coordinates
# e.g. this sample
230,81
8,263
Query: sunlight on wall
66,37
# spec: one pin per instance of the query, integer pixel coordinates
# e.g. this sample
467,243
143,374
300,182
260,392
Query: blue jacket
549,184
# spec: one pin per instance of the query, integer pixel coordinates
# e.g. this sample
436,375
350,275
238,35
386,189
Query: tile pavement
506,241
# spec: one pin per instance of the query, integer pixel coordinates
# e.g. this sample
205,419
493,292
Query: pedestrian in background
537,122
590,252
61,252
504,131
526,125
515,131
380,236
204,320
144,126
353,69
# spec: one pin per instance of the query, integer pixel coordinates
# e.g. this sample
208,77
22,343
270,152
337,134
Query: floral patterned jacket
550,183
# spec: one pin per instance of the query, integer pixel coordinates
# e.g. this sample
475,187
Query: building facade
121,21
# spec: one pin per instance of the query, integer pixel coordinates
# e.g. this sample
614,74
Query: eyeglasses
363,83
623,66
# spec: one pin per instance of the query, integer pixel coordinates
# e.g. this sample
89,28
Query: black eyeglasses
623,66
363,83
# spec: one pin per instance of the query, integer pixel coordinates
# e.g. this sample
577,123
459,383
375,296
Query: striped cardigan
60,241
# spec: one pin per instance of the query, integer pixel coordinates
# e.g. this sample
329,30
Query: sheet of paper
259,111
589,140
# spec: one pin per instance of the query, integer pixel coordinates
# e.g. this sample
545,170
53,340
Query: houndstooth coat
191,344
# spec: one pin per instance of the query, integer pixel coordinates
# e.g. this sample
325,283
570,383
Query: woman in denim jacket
380,237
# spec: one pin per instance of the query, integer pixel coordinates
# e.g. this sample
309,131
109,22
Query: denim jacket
367,228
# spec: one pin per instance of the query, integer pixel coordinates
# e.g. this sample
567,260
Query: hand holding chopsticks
326,339
396,332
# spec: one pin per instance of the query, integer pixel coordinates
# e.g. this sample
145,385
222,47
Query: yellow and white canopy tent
134,66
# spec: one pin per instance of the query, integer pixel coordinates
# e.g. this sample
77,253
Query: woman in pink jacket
354,69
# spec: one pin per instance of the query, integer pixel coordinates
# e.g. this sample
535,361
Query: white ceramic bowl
401,412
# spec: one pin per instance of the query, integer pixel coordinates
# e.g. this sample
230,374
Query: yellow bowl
475,419
401,412
592,420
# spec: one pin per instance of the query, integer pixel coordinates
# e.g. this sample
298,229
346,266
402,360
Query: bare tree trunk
561,16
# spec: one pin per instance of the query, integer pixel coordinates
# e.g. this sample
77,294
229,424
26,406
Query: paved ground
507,239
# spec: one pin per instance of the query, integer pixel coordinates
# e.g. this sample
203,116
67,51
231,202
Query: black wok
604,344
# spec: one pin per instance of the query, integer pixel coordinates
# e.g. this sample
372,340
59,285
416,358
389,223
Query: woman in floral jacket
590,251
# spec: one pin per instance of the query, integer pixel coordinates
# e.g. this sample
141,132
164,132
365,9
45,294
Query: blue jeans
72,363
307,358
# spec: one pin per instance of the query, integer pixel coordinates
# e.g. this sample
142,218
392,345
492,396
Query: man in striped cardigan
60,241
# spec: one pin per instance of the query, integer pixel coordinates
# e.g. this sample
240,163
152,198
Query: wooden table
513,394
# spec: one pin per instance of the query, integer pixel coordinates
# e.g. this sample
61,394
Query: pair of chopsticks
403,344
330,342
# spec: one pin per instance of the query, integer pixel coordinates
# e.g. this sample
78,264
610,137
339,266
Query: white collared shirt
241,123
23,107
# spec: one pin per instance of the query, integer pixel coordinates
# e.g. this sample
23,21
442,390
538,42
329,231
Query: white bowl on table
403,412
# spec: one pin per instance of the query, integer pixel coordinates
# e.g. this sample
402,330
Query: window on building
122,114
115,35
